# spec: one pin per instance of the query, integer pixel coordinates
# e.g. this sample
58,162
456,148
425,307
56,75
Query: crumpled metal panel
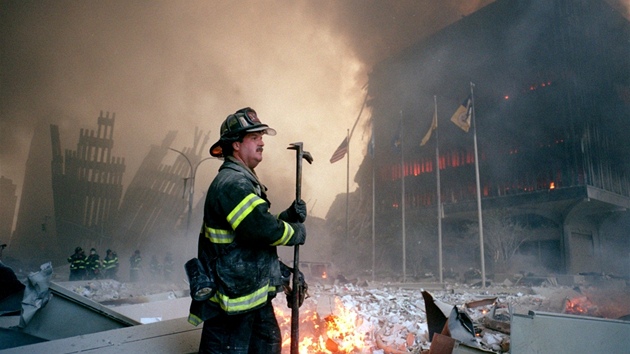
68,314
542,332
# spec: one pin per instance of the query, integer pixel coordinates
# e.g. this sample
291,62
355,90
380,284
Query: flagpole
439,194
481,246
402,204
348,135
373,206
348,181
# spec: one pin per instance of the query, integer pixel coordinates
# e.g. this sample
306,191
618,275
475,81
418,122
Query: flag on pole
371,146
341,151
397,139
427,136
463,115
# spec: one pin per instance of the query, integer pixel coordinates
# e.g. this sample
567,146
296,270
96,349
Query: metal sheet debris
544,332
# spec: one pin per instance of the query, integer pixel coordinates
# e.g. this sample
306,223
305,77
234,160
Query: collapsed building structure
158,202
85,203
551,114
87,185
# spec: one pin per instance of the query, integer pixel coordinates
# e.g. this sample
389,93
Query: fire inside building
550,104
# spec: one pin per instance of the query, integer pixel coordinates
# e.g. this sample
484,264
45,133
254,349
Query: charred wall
7,209
87,186
153,216
551,108
34,238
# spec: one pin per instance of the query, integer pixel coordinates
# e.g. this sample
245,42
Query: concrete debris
387,318
36,293
113,293
399,317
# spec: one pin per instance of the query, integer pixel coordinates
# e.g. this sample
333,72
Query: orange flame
580,306
342,331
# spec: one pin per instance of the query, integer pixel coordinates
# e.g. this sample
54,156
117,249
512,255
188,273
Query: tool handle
295,300
295,303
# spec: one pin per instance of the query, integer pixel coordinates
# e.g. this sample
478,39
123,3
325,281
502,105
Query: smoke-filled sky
176,65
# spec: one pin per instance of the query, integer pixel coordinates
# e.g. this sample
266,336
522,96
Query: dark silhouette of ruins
552,112
87,205
87,186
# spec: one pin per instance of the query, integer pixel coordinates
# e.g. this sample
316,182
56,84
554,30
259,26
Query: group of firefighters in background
89,267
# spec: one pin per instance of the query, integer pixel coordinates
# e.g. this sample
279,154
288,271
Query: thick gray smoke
179,65
164,65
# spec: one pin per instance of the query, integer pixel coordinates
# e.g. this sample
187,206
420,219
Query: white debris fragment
490,338
398,315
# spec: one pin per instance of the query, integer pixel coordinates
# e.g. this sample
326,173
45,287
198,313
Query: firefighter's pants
255,332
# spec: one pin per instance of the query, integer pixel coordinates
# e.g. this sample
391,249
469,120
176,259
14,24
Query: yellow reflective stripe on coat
194,320
243,303
219,235
243,209
286,235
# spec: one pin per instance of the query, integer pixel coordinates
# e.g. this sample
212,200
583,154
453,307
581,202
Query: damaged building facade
86,204
551,91
87,185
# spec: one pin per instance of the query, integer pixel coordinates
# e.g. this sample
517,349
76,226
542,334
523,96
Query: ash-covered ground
391,317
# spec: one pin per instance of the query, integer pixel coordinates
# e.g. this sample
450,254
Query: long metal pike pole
295,301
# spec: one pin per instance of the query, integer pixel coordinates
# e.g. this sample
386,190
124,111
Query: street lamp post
191,188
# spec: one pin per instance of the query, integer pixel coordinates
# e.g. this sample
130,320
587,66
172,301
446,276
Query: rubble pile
379,318
399,318
112,292
395,319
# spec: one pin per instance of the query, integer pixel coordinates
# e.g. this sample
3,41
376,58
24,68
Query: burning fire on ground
342,331
580,306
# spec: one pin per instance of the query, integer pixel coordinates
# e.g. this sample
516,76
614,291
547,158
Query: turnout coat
237,243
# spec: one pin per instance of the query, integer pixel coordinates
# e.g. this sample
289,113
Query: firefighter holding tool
237,271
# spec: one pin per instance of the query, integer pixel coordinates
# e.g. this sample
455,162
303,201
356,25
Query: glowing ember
580,306
342,331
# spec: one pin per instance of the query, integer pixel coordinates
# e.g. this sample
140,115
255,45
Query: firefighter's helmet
245,120
78,249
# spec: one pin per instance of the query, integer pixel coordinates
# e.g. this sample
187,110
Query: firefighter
169,264
93,265
77,264
135,265
110,265
238,243
155,268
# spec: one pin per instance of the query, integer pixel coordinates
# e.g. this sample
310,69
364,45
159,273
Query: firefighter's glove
288,291
299,234
295,213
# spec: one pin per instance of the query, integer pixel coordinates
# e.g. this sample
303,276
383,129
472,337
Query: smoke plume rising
164,65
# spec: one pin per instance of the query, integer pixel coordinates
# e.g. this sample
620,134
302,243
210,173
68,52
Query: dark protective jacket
238,243
110,263
77,261
134,261
92,262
